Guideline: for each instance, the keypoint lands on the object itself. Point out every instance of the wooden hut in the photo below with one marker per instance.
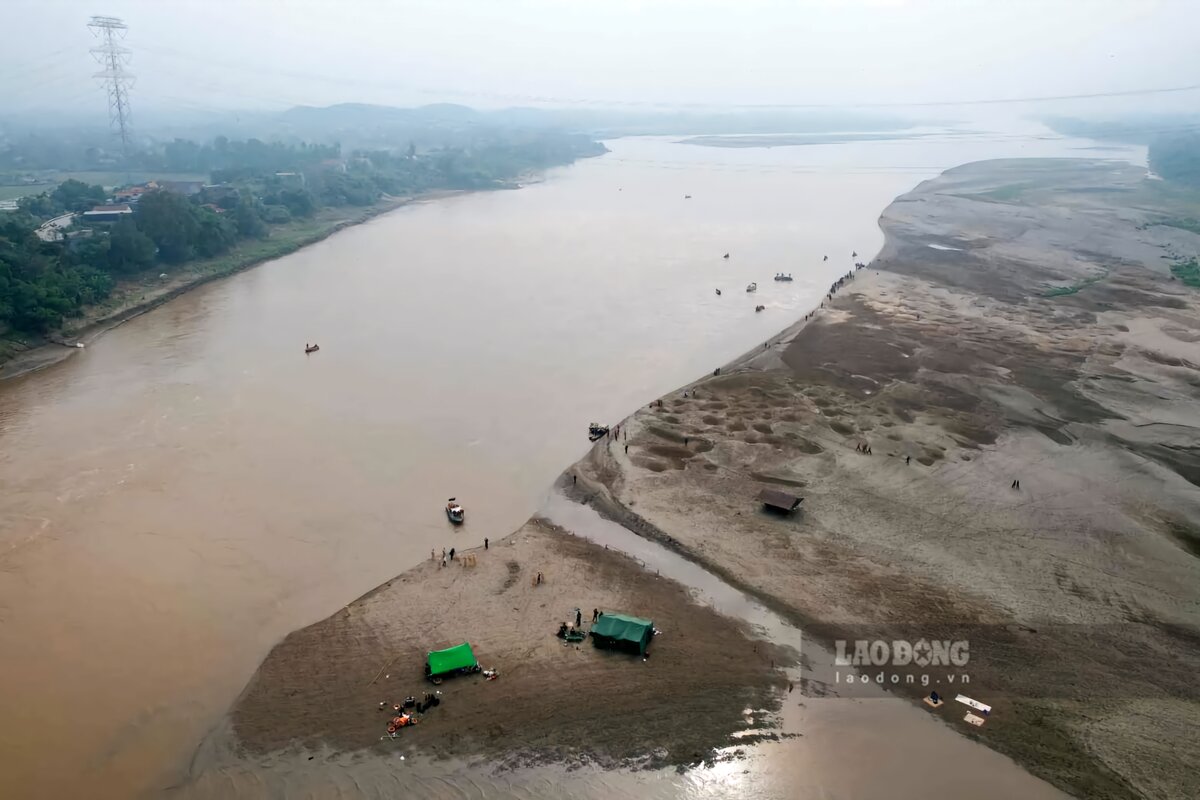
(779, 502)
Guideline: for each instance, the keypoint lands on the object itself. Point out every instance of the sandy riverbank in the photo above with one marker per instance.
(321, 686)
(1042, 339)
(23, 355)
(1021, 323)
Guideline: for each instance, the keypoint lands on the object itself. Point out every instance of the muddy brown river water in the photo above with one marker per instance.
(179, 496)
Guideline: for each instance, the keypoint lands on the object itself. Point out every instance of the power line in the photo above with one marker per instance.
(113, 57)
(390, 84)
(38, 64)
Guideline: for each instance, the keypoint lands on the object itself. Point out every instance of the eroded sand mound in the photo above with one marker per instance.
(1043, 340)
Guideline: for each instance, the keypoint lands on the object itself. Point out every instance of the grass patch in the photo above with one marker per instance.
(1060, 291)
(1006, 194)
(1188, 272)
(1184, 224)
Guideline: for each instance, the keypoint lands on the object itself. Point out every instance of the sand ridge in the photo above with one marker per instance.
(1050, 346)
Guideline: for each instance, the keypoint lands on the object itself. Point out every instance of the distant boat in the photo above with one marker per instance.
(854, 254)
(597, 431)
(455, 512)
(782, 277)
(718, 292)
(687, 197)
(311, 348)
(725, 256)
(826, 258)
(752, 287)
(758, 308)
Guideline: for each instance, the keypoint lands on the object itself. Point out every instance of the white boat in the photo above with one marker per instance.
(455, 512)
(752, 287)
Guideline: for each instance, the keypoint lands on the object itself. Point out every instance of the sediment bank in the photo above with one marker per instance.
(553, 701)
(995, 431)
(1020, 325)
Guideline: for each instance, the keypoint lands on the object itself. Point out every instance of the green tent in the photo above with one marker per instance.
(439, 662)
(618, 629)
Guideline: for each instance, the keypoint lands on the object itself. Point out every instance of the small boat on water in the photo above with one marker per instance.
(718, 292)
(725, 256)
(597, 431)
(687, 197)
(752, 287)
(758, 308)
(455, 512)
(826, 258)
(854, 254)
(311, 348)
(782, 277)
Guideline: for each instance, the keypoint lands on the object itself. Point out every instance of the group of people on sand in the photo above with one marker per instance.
(467, 560)
(573, 632)
(838, 284)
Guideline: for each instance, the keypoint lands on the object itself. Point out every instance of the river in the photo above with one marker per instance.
(179, 496)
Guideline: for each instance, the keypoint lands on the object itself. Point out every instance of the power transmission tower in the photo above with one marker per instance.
(113, 57)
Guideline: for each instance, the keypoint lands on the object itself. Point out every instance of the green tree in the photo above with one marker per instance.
(38, 286)
(299, 202)
(171, 222)
(248, 218)
(39, 205)
(215, 233)
(129, 250)
(276, 215)
(76, 196)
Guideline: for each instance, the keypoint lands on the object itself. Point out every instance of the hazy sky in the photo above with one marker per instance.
(270, 54)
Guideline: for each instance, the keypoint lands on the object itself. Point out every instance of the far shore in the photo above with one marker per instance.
(136, 297)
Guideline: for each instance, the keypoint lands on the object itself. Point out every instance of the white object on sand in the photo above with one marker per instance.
(975, 704)
(974, 719)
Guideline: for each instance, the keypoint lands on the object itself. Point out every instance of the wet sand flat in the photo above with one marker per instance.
(1042, 341)
(321, 686)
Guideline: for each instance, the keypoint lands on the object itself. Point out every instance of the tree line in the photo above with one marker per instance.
(256, 186)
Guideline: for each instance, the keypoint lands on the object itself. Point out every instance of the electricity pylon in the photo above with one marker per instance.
(113, 57)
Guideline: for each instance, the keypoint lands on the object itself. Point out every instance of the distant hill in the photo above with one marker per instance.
(358, 114)
(359, 119)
